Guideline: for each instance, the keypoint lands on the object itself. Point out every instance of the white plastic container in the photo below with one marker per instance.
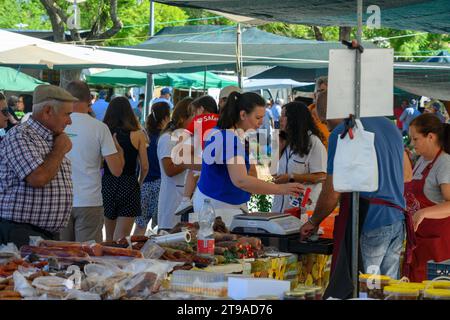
(248, 288)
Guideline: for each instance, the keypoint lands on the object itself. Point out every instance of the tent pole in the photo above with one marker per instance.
(355, 204)
(239, 70)
(151, 29)
(149, 83)
(148, 94)
(204, 80)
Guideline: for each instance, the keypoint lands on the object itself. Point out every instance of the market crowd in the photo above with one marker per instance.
(73, 163)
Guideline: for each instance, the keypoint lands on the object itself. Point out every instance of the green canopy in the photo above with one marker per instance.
(13, 80)
(129, 78)
(213, 47)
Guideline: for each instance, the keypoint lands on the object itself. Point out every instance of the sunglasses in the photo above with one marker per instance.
(4, 112)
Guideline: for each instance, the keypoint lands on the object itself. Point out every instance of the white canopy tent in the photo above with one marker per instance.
(255, 84)
(24, 51)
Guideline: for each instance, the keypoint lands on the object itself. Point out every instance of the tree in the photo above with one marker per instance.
(98, 31)
(103, 22)
(29, 13)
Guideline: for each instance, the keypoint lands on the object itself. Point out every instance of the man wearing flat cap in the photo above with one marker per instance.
(35, 176)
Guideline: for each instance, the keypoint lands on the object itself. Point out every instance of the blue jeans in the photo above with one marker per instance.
(381, 249)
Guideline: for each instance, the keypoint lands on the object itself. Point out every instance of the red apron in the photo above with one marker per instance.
(432, 236)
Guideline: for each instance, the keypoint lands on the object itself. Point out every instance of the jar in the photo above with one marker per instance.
(310, 294)
(319, 293)
(372, 285)
(268, 297)
(400, 293)
(442, 284)
(436, 294)
(412, 285)
(294, 295)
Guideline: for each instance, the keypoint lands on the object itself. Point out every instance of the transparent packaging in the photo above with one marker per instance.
(400, 293)
(199, 282)
(205, 236)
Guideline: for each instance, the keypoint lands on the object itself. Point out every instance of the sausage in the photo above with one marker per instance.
(139, 239)
(9, 294)
(219, 237)
(226, 244)
(53, 251)
(114, 244)
(138, 245)
(110, 251)
(94, 249)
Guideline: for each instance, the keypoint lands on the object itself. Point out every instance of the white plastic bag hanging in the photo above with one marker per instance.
(355, 162)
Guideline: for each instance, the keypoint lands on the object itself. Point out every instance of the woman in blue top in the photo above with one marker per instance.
(156, 121)
(225, 175)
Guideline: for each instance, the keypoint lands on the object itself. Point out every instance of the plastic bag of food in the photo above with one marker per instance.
(82, 295)
(35, 241)
(8, 252)
(52, 283)
(75, 276)
(26, 272)
(104, 270)
(160, 267)
(143, 278)
(22, 285)
(151, 250)
(140, 285)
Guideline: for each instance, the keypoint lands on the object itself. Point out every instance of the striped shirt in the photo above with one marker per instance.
(23, 150)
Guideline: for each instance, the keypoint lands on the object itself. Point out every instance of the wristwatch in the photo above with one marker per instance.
(311, 222)
(291, 177)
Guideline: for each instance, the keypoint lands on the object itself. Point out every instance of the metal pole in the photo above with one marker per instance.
(355, 205)
(204, 80)
(239, 69)
(149, 83)
(152, 19)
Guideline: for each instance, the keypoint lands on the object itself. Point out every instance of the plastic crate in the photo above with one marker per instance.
(438, 269)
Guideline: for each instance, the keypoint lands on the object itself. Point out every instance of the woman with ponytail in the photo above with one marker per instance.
(225, 175)
(156, 121)
(428, 194)
(172, 175)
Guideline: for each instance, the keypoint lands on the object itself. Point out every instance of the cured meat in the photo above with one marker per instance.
(110, 251)
(91, 249)
(219, 236)
(53, 252)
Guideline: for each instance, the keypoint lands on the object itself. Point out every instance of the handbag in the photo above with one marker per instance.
(355, 161)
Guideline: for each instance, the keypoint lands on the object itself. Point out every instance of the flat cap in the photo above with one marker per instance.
(226, 91)
(46, 92)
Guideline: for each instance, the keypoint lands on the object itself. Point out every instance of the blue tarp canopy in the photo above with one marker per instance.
(424, 15)
(441, 57)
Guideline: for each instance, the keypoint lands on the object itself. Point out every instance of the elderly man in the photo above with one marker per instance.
(92, 141)
(3, 113)
(35, 176)
(224, 93)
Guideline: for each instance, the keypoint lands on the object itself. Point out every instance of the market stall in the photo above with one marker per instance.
(156, 267)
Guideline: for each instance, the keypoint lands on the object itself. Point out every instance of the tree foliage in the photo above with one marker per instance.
(133, 16)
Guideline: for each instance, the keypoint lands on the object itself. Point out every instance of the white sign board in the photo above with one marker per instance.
(377, 83)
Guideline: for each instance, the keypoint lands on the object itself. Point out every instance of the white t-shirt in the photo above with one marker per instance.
(314, 162)
(171, 190)
(91, 140)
